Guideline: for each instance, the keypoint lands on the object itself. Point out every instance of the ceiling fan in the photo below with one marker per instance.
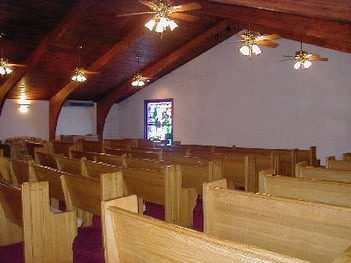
(5, 66)
(79, 73)
(303, 59)
(138, 80)
(252, 40)
(164, 12)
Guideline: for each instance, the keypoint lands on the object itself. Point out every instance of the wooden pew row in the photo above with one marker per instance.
(63, 148)
(25, 215)
(6, 171)
(120, 143)
(90, 146)
(332, 163)
(327, 192)
(306, 230)
(164, 242)
(69, 165)
(320, 173)
(46, 158)
(346, 156)
(160, 187)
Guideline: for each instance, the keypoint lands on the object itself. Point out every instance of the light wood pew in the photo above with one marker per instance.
(307, 230)
(120, 143)
(69, 165)
(25, 215)
(23, 171)
(131, 237)
(87, 193)
(327, 192)
(6, 171)
(320, 173)
(160, 187)
(77, 154)
(46, 159)
(196, 171)
(346, 156)
(60, 147)
(90, 146)
(146, 153)
(118, 160)
(117, 151)
(332, 163)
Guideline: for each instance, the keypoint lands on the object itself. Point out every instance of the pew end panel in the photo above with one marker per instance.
(47, 237)
(332, 163)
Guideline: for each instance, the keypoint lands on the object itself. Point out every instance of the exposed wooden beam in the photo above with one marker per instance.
(56, 102)
(325, 33)
(40, 51)
(211, 37)
(324, 9)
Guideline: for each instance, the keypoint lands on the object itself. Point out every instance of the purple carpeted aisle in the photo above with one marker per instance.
(87, 247)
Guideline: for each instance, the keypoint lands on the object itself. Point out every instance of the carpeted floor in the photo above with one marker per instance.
(87, 247)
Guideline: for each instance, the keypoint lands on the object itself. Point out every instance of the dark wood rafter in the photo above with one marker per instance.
(325, 33)
(323, 9)
(211, 37)
(40, 51)
(57, 101)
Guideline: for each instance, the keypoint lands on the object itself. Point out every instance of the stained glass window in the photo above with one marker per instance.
(159, 120)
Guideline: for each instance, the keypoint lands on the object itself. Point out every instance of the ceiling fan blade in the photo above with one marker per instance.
(270, 37)
(152, 5)
(16, 65)
(267, 43)
(286, 59)
(136, 14)
(318, 59)
(90, 72)
(186, 7)
(185, 17)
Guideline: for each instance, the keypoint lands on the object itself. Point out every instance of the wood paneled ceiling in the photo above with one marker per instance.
(44, 36)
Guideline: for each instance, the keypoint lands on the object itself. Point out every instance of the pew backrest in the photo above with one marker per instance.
(69, 165)
(327, 192)
(346, 156)
(319, 173)
(63, 148)
(46, 159)
(87, 193)
(23, 171)
(307, 230)
(332, 163)
(164, 242)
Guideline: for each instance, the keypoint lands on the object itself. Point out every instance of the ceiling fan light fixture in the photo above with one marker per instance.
(256, 50)
(4, 68)
(78, 75)
(138, 81)
(245, 50)
(150, 24)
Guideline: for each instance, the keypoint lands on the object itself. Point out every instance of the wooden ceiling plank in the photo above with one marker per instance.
(57, 101)
(325, 33)
(40, 51)
(323, 9)
(160, 68)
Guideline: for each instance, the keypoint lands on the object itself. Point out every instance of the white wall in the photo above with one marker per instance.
(76, 120)
(72, 120)
(223, 98)
(111, 123)
(33, 123)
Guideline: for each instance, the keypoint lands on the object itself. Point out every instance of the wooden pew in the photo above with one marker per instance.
(23, 171)
(70, 165)
(346, 156)
(118, 160)
(306, 230)
(131, 237)
(332, 163)
(120, 143)
(46, 159)
(6, 171)
(77, 154)
(196, 171)
(25, 215)
(319, 173)
(327, 192)
(160, 187)
(87, 193)
(90, 146)
(60, 147)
